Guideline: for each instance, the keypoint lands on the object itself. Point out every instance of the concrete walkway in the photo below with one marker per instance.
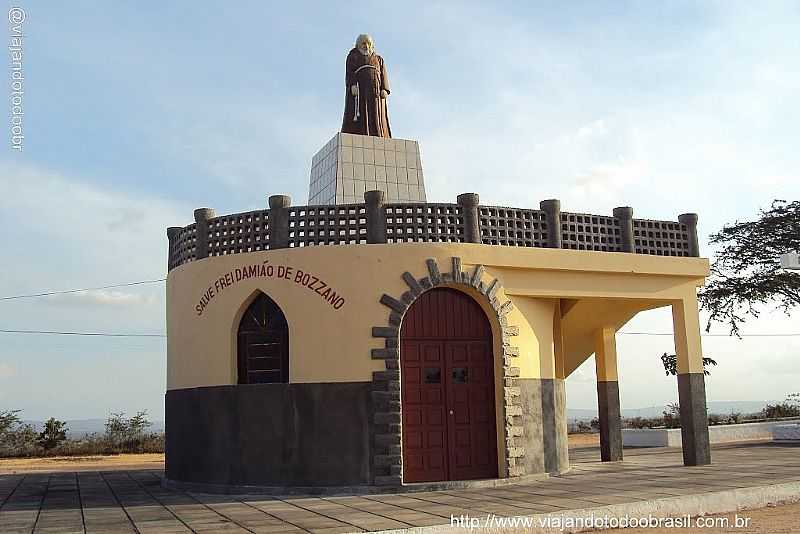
(134, 501)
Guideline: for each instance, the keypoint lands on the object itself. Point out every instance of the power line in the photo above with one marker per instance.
(117, 334)
(707, 335)
(48, 293)
(95, 334)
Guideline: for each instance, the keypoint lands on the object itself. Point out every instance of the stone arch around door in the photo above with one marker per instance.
(387, 454)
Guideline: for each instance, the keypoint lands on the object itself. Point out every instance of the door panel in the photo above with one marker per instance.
(471, 399)
(424, 422)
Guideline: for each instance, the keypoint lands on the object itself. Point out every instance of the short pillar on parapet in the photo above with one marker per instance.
(691, 382)
(605, 358)
(279, 221)
(552, 212)
(690, 220)
(376, 216)
(201, 218)
(624, 215)
(472, 222)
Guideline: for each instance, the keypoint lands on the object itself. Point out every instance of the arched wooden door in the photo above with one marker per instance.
(447, 382)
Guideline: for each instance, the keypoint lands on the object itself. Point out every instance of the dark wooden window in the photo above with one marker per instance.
(263, 343)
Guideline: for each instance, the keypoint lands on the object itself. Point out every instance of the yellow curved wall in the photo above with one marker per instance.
(333, 345)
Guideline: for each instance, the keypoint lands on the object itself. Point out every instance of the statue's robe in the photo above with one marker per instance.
(369, 73)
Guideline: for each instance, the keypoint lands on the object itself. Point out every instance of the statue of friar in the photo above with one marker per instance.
(366, 87)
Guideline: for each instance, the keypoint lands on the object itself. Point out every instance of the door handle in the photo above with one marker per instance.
(451, 412)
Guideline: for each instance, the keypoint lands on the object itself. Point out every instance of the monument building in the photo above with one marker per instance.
(373, 339)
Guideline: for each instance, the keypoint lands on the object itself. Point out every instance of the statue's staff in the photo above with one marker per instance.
(356, 96)
(358, 106)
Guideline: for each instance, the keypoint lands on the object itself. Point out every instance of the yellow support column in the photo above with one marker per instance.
(605, 358)
(691, 381)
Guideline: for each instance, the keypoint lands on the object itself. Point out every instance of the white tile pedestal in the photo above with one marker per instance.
(348, 165)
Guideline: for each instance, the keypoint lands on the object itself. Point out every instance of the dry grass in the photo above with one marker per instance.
(584, 440)
(62, 464)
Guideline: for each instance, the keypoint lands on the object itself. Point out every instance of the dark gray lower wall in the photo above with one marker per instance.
(270, 434)
(544, 422)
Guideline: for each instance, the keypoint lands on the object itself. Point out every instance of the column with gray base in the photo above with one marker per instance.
(552, 211)
(554, 425)
(279, 221)
(694, 419)
(201, 218)
(605, 358)
(472, 222)
(376, 216)
(691, 381)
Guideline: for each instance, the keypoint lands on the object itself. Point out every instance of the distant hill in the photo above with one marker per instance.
(78, 428)
(716, 407)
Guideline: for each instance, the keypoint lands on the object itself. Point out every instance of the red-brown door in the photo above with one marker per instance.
(447, 390)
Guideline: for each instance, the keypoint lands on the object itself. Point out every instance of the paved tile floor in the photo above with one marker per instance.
(134, 501)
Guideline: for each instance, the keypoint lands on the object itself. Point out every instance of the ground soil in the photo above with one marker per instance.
(584, 440)
(61, 464)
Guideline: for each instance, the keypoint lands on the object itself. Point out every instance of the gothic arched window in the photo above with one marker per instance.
(263, 343)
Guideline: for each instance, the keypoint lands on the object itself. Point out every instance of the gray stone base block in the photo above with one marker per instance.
(280, 435)
(544, 426)
(610, 421)
(694, 419)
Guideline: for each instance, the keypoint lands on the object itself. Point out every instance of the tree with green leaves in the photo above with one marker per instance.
(54, 432)
(16, 438)
(8, 420)
(746, 272)
(670, 362)
(126, 433)
(116, 428)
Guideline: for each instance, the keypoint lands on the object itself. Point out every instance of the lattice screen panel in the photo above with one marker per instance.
(423, 223)
(183, 250)
(513, 227)
(581, 231)
(660, 238)
(239, 232)
(327, 225)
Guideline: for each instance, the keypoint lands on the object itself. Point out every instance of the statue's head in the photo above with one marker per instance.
(365, 45)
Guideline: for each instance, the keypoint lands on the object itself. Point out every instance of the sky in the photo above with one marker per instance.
(135, 113)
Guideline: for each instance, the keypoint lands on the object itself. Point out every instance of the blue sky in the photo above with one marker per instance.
(137, 113)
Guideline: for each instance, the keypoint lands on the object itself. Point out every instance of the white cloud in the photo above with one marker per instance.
(613, 175)
(7, 370)
(597, 127)
(77, 234)
(104, 298)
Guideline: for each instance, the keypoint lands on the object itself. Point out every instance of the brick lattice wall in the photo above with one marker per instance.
(429, 222)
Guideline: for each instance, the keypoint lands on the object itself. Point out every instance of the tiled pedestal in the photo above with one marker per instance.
(348, 165)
